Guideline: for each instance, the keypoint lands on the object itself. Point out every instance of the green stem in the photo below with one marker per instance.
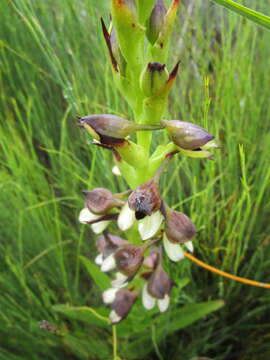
(114, 334)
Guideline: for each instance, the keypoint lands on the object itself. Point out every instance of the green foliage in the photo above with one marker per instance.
(54, 66)
(250, 14)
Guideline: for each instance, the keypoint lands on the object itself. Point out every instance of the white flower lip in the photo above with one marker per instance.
(116, 171)
(147, 300)
(149, 225)
(163, 304)
(109, 295)
(108, 264)
(100, 226)
(114, 317)
(120, 281)
(99, 259)
(174, 251)
(210, 144)
(126, 218)
(86, 216)
(189, 246)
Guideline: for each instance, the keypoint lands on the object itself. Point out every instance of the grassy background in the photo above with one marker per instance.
(54, 65)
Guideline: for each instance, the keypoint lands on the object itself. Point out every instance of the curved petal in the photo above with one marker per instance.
(149, 225)
(174, 251)
(86, 215)
(99, 226)
(114, 317)
(126, 218)
(120, 281)
(109, 295)
(147, 300)
(108, 264)
(163, 304)
(189, 246)
(99, 259)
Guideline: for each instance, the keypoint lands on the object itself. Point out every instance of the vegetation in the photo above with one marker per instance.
(53, 66)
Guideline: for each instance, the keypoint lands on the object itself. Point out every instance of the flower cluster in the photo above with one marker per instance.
(138, 43)
(157, 224)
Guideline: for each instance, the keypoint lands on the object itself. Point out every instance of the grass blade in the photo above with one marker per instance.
(248, 13)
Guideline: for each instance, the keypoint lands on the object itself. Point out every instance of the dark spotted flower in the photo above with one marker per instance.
(157, 289)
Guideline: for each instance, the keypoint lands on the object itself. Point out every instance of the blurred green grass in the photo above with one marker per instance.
(53, 66)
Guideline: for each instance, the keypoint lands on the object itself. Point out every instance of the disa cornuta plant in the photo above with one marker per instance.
(138, 39)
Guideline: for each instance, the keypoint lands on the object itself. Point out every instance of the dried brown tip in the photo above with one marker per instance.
(109, 46)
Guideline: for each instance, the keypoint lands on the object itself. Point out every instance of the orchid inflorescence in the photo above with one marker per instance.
(138, 42)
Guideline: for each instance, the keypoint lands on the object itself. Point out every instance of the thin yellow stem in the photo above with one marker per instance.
(88, 309)
(225, 274)
(115, 357)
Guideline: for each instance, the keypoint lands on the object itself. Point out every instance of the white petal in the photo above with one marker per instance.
(85, 216)
(119, 281)
(189, 246)
(210, 144)
(163, 304)
(147, 300)
(149, 225)
(116, 171)
(99, 259)
(108, 264)
(115, 318)
(108, 296)
(126, 218)
(174, 251)
(99, 226)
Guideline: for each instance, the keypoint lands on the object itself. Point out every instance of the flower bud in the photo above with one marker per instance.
(111, 129)
(99, 201)
(153, 78)
(159, 283)
(156, 21)
(190, 138)
(178, 227)
(187, 135)
(129, 259)
(160, 48)
(122, 304)
(145, 199)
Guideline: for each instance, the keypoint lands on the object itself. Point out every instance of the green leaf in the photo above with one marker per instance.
(248, 13)
(168, 323)
(88, 348)
(186, 315)
(101, 279)
(82, 313)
